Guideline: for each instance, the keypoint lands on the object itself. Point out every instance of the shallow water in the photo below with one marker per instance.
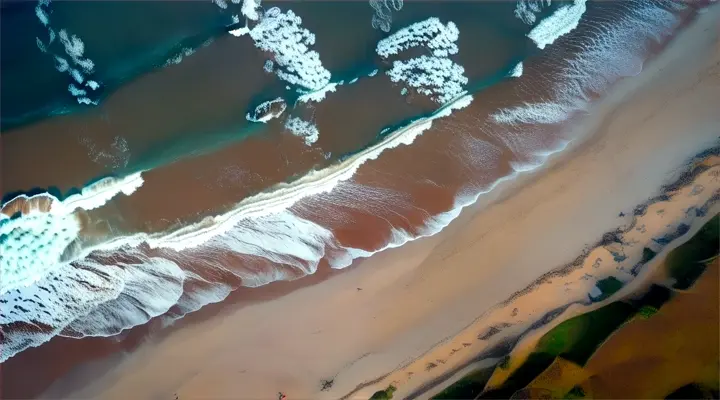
(212, 201)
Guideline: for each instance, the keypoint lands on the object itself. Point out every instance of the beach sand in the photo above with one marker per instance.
(414, 301)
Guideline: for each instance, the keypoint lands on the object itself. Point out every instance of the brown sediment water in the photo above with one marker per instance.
(427, 175)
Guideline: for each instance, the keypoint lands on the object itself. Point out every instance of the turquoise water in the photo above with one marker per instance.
(183, 193)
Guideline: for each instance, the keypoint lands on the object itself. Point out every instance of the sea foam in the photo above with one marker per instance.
(304, 129)
(267, 110)
(614, 48)
(74, 49)
(561, 22)
(282, 34)
(36, 241)
(262, 230)
(434, 75)
(382, 19)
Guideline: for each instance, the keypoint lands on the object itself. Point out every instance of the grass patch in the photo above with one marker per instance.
(468, 387)
(646, 312)
(687, 262)
(575, 340)
(386, 394)
(575, 393)
(608, 287)
(648, 255)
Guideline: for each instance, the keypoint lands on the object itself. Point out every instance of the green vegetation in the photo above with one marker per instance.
(687, 262)
(648, 255)
(575, 340)
(386, 394)
(655, 297)
(505, 363)
(608, 287)
(468, 387)
(578, 338)
(646, 312)
(575, 393)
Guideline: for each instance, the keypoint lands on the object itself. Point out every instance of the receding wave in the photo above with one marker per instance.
(98, 284)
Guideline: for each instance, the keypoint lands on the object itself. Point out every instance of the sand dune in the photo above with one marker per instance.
(419, 300)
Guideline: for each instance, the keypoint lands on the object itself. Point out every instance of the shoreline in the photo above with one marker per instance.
(659, 63)
(396, 275)
(525, 341)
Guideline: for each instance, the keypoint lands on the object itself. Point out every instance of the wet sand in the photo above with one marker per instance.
(413, 297)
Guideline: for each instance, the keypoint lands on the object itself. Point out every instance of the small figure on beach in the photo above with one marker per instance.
(281, 396)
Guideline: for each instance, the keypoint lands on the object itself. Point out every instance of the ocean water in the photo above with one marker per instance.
(145, 176)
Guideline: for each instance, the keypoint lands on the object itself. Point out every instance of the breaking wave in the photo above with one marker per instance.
(69, 280)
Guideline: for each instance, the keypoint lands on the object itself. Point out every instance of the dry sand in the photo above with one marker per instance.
(427, 294)
(660, 219)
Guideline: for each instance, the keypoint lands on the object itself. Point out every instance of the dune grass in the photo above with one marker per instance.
(386, 394)
(687, 262)
(468, 387)
(578, 338)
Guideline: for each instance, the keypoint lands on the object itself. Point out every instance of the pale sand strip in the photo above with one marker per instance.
(433, 288)
(660, 219)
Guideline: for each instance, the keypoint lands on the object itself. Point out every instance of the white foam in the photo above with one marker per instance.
(304, 129)
(75, 91)
(269, 66)
(77, 75)
(517, 71)
(561, 22)
(262, 225)
(264, 112)
(319, 95)
(42, 15)
(32, 245)
(282, 196)
(97, 194)
(434, 75)
(147, 288)
(250, 9)
(526, 10)
(240, 31)
(382, 18)
(439, 78)
(86, 100)
(281, 237)
(92, 84)
(40, 45)
(62, 64)
(65, 293)
(193, 300)
(529, 113)
(612, 49)
(74, 49)
(115, 157)
(439, 38)
(282, 35)
(177, 59)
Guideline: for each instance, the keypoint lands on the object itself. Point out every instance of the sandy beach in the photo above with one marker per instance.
(385, 319)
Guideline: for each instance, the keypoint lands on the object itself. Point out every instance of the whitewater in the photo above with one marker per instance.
(58, 280)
